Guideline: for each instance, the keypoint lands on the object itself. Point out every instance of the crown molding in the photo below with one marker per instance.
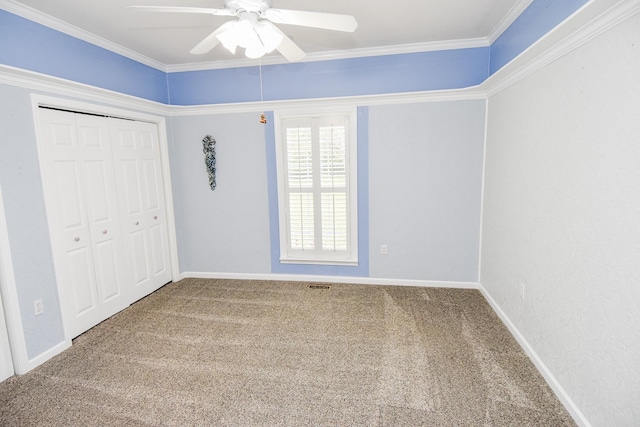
(594, 18)
(508, 19)
(73, 31)
(588, 22)
(464, 94)
(400, 49)
(83, 92)
(67, 88)
(335, 54)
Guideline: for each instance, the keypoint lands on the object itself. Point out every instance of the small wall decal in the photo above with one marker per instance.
(209, 150)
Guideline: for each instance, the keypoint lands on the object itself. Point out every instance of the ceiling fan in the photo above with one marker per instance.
(254, 30)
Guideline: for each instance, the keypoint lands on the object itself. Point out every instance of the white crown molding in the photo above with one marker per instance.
(64, 27)
(508, 19)
(74, 90)
(73, 31)
(336, 54)
(591, 20)
(83, 92)
(331, 279)
(70, 89)
(470, 93)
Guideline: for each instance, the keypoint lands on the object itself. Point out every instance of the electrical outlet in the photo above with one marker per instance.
(521, 290)
(383, 249)
(38, 307)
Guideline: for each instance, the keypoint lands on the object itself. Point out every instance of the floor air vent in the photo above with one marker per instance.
(319, 286)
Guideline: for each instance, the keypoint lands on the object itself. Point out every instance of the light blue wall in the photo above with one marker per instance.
(362, 269)
(425, 179)
(30, 46)
(230, 230)
(27, 222)
(537, 20)
(234, 229)
(226, 230)
(419, 191)
(446, 69)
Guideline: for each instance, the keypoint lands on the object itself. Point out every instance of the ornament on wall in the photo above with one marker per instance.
(209, 150)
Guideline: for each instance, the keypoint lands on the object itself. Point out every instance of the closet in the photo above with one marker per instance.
(105, 198)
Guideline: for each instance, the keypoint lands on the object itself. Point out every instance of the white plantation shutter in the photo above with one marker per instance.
(333, 183)
(317, 198)
(300, 183)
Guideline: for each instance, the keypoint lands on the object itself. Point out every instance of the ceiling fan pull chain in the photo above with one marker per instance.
(263, 118)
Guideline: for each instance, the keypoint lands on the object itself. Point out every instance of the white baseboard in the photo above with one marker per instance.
(43, 357)
(331, 279)
(560, 392)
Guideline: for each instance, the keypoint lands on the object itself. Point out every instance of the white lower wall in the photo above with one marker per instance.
(561, 215)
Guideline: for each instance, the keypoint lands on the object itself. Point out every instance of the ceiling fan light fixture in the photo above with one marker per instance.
(231, 36)
(255, 30)
(256, 37)
(255, 52)
(269, 36)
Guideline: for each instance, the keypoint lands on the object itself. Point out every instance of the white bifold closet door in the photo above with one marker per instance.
(96, 261)
(141, 197)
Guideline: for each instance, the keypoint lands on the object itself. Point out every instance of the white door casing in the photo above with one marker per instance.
(6, 363)
(16, 344)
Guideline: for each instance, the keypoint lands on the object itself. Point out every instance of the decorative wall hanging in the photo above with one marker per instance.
(209, 150)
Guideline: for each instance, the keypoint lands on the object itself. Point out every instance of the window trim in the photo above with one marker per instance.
(285, 256)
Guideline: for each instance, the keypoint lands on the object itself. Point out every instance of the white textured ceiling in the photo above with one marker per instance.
(383, 27)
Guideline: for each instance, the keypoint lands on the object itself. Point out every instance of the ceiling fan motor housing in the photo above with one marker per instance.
(256, 6)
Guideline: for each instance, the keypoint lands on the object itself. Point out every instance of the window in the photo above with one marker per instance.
(317, 194)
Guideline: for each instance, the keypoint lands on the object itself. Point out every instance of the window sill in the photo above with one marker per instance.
(353, 263)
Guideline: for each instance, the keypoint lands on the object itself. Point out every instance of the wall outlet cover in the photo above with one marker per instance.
(38, 307)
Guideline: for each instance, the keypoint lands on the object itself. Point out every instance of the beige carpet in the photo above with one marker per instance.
(235, 353)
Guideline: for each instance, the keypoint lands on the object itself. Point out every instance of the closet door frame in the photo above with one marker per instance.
(39, 101)
(17, 345)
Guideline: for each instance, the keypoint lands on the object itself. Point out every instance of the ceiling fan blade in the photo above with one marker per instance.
(327, 21)
(211, 40)
(288, 48)
(179, 9)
